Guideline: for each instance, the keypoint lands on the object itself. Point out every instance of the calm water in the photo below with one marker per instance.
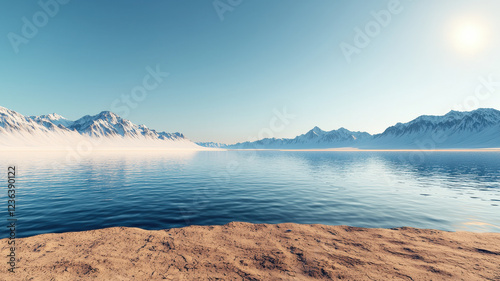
(58, 192)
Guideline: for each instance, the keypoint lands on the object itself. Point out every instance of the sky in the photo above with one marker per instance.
(227, 70)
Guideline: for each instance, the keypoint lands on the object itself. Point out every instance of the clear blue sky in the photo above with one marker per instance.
(226, 76)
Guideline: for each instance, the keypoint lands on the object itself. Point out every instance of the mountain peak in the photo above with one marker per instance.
(487, 110)
(51, 119)
(55, 116)
(107, 114)
(52, 116)
(477, 110)
(453, 112)
(6, 110)
(316, 129)
(53, 130)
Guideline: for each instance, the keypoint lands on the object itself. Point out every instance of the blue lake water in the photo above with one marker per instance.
(58, 192)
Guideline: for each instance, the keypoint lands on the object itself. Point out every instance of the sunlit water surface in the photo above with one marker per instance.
(60, 192)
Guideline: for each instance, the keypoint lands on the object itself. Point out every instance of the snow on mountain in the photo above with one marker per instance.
(212, 144)
(11, 121)
(315, 138)
(53, 118)
(107, 124)
(105, 130)
(474, 129)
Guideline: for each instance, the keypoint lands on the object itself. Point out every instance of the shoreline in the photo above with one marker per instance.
(245, 251)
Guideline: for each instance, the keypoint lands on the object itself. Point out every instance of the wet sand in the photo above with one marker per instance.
(244, 251)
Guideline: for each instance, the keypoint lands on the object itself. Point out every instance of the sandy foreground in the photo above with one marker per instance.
(244, 251)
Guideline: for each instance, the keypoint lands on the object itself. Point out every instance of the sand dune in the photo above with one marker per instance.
(244, 251)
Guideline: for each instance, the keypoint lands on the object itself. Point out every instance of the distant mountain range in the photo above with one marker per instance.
(104, 130)
(212, 144)
(474, 129)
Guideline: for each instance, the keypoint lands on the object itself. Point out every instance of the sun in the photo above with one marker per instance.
(469, 36)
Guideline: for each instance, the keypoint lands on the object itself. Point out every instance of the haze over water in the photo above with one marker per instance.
(157, 190)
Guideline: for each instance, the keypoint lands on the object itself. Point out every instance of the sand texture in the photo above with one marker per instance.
(244, 251)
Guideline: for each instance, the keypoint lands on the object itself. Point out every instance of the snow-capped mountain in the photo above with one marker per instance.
(53, 118)
(105, 130)
(212, 144)
(474, 129)
(315, 138)
(107, 124)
